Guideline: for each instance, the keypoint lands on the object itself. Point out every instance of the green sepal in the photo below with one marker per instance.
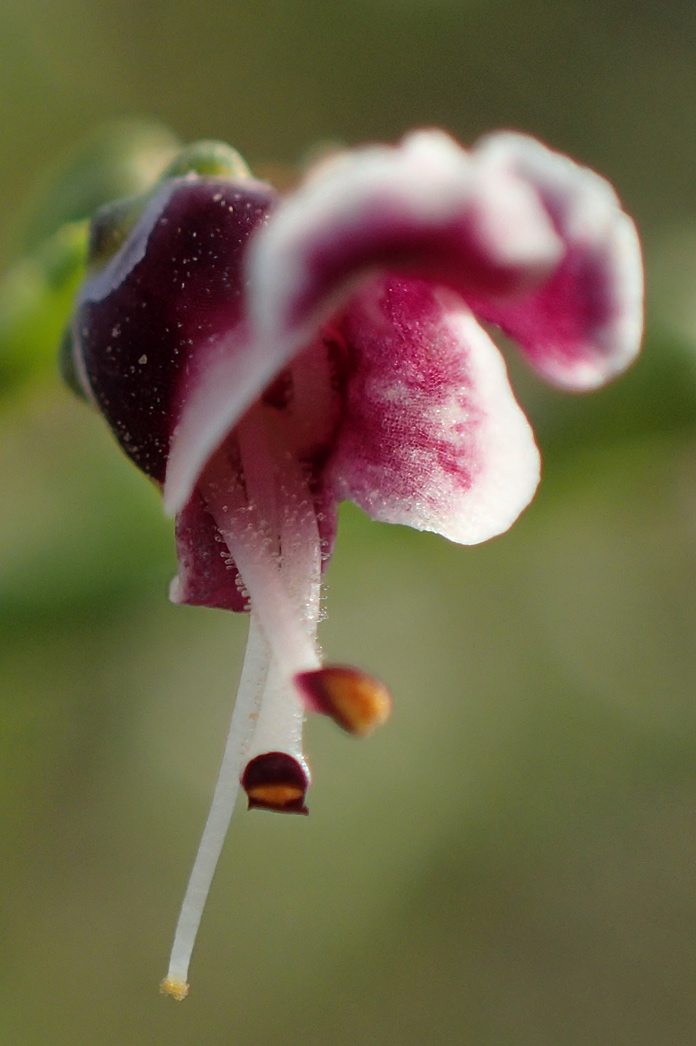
(110, 226)
(66, 364)
(110, 179)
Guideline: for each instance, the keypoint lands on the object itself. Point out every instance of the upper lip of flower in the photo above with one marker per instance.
(532, 241)
(357, 296)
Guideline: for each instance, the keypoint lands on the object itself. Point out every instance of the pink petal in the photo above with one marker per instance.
(585, 325)
(431, 436)
(424, 208)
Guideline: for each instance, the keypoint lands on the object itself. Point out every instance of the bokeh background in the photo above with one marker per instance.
(512, 862)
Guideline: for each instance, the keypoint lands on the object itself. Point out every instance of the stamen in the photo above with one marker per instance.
(280, 721)
(276, 781)
(356, 701)
(252, 682)
(270, 528)
(253, 545)
(281, 717)
(299, 541)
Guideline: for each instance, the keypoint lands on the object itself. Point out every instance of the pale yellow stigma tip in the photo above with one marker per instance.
(174, 987)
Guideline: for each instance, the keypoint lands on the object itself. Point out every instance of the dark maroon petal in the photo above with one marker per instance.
(207, 574)
(147, 320)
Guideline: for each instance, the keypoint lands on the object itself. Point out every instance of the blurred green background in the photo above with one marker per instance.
(512, 861)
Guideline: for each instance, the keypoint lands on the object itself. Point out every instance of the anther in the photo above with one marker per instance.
(276, 781)
(355, 700)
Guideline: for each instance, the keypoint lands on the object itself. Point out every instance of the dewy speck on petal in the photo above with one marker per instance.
(263, 359)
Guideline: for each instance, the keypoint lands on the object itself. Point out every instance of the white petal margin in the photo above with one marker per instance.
(423, 207)
(590, 344)
(432, 436)
(233, 374)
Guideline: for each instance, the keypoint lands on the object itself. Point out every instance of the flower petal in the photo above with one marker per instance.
(584, 326)
(424, 209)
(431, 436)
(421, 209)
(148, 321)
(207, 576)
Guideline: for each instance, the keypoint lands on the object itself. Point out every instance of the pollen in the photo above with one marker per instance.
(275, 796)
(355, 700)
(175, 987)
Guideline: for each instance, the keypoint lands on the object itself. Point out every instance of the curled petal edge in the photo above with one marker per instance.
(422, 209)
(585, 326)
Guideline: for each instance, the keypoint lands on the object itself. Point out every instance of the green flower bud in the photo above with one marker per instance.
(209, 159)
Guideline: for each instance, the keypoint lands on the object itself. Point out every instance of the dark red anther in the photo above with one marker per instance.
(276, 781)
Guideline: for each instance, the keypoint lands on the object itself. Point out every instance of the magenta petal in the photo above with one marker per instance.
(431, 435)
(585, 325)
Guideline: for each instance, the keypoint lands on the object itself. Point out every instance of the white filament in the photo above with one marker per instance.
(282, 712)
(251, 535)
(258, 566)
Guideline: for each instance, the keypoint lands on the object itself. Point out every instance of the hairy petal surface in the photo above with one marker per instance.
(431, 435)
(584, 325)
(424, 209)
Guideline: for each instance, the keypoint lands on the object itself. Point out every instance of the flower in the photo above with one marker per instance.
(263, 359)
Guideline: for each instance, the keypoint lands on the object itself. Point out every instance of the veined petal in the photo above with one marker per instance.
(585, 325)
(431, 435)
(424, 209)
